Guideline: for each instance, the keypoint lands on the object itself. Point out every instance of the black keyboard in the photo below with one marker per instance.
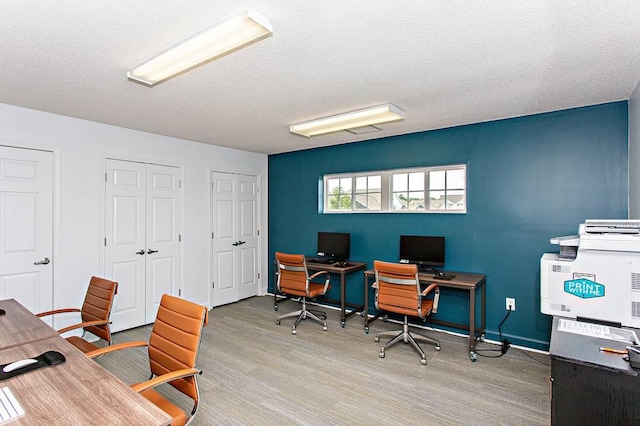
(321, 261)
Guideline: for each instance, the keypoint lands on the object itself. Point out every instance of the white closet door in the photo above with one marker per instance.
(234, 260)
(26, 227)
(125, 250)
(142, 248)
(162, 235)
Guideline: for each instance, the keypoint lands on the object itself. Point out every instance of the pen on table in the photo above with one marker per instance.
(615, 351)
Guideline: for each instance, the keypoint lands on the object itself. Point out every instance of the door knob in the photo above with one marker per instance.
(151, 251)
(44, 261)
(241, 242)
(237, 243)
(141, 252)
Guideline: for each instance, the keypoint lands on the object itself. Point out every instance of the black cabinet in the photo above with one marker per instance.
(589, 386)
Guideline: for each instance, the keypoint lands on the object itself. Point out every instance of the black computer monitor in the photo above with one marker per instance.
(335, 245)
(425, 251)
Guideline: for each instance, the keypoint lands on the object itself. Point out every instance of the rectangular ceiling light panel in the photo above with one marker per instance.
(350, 120)
(210, 44)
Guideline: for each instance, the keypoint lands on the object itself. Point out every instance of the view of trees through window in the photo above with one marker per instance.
(428, 189)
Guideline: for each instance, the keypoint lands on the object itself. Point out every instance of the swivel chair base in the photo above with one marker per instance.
(302, 314)
(407, 337)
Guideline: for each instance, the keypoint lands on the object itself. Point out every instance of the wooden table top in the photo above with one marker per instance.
(77, 392)
(19, 326)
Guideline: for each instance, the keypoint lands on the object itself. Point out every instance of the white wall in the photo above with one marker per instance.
(80, 148)
(634, 154)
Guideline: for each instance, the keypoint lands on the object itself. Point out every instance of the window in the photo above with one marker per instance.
(368, 193)
(417, 190)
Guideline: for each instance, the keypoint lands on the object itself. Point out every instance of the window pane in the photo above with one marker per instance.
(436, 200)
(456, 200)
(399, 182)
(416, 181)
(375, 183)
(399, 201)
(345, 186)
(333, 202)
(416, 201)
(361, 184)
(332, 186)
(368, 201)
(436, 179)
(456, 179)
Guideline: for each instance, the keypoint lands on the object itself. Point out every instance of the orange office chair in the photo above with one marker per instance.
(173, 351)
(294, 280)
(94, 314)
(398, 291)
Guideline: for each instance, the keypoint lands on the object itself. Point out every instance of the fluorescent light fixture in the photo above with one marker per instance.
(350, 120)
(206, 46)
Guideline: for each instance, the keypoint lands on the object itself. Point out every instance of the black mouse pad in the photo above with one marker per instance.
(46, 359)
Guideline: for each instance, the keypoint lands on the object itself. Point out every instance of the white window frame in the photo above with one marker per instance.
(387, 190)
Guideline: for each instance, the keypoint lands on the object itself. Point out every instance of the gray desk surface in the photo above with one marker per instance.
(585, 349)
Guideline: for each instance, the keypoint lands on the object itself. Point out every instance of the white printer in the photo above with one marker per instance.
(596, 275)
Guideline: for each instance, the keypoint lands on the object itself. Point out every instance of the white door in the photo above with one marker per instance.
(26, 227)
(142, 238)
(235, 238)
(162, 236)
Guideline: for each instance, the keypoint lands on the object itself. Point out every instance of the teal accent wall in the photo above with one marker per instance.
(529, 179)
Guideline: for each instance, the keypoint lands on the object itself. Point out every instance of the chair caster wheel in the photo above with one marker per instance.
(324, 328)
(366, 330)
(293, 331)
(381, 354)
(376, 339)
(342, 323)
(385, 318)
(423, 361)
(472, 356)
(275, 308)
(437, 348)
(277, 322)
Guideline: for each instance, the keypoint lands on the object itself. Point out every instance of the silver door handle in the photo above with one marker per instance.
(44, 261)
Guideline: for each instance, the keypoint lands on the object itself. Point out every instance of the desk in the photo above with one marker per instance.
(79, 391)
(590, 387)
(19, 326)
(462, 281)
(342, 272)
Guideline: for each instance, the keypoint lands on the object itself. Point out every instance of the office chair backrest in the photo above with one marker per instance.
(398, 288)
(292, 274)
(97, 306)
(175, 340)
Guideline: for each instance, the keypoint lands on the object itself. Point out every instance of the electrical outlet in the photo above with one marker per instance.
(510, 301)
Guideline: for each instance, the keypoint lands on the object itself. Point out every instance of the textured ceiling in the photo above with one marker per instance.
(445, 63)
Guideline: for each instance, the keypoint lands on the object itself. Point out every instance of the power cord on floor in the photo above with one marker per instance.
(504, 343)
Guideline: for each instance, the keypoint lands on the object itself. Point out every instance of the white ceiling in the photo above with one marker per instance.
(445, 63)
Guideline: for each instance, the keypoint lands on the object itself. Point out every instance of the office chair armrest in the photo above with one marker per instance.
(165, 378)
(116, 347)
(57, 311)
(327, 280)
(82, 325)
(317, 274)
(433, 287)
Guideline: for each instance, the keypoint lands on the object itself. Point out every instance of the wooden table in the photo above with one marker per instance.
(462, 281)
(77, 392)
(19, 326)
